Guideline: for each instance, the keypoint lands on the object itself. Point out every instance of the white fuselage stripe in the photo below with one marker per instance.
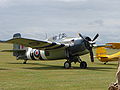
(42, 52)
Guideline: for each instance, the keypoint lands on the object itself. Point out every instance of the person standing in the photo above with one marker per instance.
(116, 85)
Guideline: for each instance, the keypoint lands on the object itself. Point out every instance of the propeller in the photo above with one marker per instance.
(90, 43)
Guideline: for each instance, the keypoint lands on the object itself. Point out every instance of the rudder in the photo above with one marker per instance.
(100, 51)
(17, 46)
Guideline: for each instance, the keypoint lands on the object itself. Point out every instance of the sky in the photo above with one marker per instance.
(36, 18)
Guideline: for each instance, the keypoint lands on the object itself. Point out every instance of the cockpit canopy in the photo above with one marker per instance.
(58, 37)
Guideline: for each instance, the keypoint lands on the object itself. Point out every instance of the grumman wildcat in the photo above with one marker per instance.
(55, 48)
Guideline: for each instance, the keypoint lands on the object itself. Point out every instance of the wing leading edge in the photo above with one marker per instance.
(36, 44)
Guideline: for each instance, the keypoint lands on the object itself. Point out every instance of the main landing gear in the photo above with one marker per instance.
(67, 64)
(83, 65)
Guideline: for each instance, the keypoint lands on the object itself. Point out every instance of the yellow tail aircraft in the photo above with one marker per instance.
(101, 53)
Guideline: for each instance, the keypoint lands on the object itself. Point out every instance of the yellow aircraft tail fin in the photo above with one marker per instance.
(101, 52)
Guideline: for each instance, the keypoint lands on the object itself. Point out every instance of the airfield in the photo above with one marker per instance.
(50, 75)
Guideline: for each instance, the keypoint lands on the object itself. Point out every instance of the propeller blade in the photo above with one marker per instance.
(91, 55)
(90, 45)
(82, 37)
(95, 37)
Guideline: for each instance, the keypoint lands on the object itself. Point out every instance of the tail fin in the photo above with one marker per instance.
(17, 46)
(101, 51)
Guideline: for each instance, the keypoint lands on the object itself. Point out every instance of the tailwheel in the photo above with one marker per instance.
(67, 65)
(83, 65)
(24, 61)
(106, 62)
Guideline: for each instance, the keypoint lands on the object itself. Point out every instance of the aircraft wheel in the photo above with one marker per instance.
(67, 65)
(83, 65)
(25, 62)
(105, 63)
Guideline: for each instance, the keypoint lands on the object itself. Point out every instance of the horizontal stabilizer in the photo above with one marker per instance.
(13, 50)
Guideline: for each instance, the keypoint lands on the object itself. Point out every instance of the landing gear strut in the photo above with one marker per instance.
(83, 64)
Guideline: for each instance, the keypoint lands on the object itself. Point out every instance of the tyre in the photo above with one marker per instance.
(67, 65)
(83, 65)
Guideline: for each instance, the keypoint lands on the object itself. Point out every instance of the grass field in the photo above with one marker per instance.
(50, 75)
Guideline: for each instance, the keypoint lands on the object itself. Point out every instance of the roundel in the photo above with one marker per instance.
(37, 53)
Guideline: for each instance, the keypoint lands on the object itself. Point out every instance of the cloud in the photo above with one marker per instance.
(8, 3)
(72, 0)
(97, 22)
(3, 3)
(54, 16)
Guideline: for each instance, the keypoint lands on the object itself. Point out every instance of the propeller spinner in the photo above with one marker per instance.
(90, 42)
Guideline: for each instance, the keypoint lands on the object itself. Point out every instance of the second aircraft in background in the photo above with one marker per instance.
(101, 53)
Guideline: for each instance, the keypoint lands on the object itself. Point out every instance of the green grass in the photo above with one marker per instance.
(50, 75)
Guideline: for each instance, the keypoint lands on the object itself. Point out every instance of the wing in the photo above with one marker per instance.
(113, 45)
(36, 44)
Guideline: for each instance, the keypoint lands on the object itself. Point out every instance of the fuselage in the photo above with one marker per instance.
(77, 47)
(108, 58)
